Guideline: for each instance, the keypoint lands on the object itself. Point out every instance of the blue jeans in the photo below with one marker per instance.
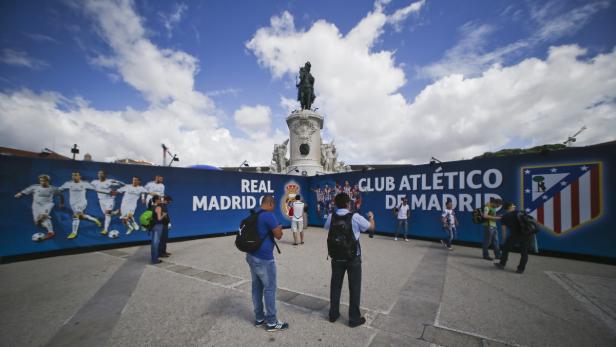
(451, 232)
(263, 273)
(490, 237)
(402, 223)
(155, 234)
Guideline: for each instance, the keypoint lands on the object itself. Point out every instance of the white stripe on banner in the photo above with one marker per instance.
(534, 214)
(548, 213)
(585, 198)
(565, 209)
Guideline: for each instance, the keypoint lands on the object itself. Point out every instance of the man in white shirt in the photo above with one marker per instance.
(403, 214)
(297, 220)
(129, 203)
(42, 203)
(155, 187)
(351, 266)
(450, 224)
(105, 199)
(77, 198)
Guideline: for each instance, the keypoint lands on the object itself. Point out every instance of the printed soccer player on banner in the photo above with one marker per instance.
(106, 201)
(562, 197)
(78, 201)
(42, 204)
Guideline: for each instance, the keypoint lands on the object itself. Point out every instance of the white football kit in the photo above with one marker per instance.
(42, 199)
(130, 198)
(106, 201)
(153, 187)
(77, 194)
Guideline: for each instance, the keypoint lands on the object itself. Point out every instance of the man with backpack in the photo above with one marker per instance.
(517, 235)
(343, 247)
(263, 266)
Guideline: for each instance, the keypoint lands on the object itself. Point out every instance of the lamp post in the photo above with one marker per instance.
(75, 151)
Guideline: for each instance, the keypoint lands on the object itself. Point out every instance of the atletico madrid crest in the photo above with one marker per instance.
(562, 197)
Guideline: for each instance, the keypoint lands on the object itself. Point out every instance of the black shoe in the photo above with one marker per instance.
(165, 255)
(259, 323)
(518, 271)
(280, 326)
(371, 236)
(157, 262)
(361, 321)
(488, 258)
(499, 265)
(333, 319)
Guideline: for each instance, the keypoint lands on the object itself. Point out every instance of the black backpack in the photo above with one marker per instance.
(528, 224)
(341, 242)
(478, 216)
(247, 239)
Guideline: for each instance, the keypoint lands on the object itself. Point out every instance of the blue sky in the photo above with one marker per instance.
(398, 81)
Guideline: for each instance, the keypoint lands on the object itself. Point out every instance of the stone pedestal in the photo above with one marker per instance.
(305, 143)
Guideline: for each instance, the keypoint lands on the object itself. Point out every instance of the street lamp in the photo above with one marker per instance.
(75, 151)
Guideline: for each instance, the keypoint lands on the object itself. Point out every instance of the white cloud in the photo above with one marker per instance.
(536, 101)
(470, 58)
(288, 104)
(183, 118)
(400, 15)
(21, 58)
(170, 20)
(255, 121)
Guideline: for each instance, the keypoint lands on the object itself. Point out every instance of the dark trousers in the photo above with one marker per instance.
(524, 242)
(162, 247)
(353, 269)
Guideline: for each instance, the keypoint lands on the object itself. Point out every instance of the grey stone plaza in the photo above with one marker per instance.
(413, 294)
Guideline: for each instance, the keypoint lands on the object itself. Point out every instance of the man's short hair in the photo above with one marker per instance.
(268, 198)
(508, 205)
(496, 201)
(342, 200)
(298, 197)
(156, 198)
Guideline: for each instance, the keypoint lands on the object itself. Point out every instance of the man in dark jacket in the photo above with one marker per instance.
(162, 247)
(510, 220)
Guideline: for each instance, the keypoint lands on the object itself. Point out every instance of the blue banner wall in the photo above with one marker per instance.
(570, 192)
(204, 202)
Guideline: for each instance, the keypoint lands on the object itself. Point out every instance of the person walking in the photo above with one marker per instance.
(450, 224)
(516, 236)
(343, 221)
(490, 236)
(164, 237)
(158, 217)
(297, 220)
(263, 268)
(403, 214)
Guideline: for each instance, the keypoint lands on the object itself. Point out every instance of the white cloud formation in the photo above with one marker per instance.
(536, 101)
(255, 121)
(183, 118)
(20, 58)
(170, 20)
(470, 57)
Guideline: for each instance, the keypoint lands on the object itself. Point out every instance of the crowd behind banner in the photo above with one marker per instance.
(569, 193)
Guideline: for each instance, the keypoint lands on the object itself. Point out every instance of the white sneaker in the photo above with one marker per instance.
(407, 240)
(395, 239)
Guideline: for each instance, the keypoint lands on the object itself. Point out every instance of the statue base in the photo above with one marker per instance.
(305, 143)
